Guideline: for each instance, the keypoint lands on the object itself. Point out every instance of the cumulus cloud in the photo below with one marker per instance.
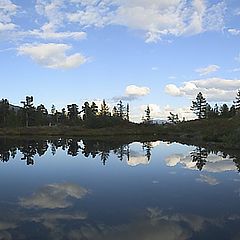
(136, 91)
(54, 196)
(52, 55)
(158, 112)
(214, 89)
(133, 92)
(207, 70)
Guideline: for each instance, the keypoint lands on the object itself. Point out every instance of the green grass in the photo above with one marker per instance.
(221, 132)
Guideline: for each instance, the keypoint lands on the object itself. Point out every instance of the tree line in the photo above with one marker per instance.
(204, 110)
(88, 115)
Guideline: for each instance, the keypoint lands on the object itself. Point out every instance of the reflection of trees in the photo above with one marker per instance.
(73, 147)
(147, 146)
(199, 155)
(87, 147)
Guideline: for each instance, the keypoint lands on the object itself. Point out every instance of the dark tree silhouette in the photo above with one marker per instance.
(104, 110)
(237, 102)
(199, 106)
(73, 112)
(173, 118)
(147, 118)
(199, 155)
(224, 111)
(4, 111)
(28, 110)
(121, 110)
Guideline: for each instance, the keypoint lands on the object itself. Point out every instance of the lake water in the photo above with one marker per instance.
(94, 190)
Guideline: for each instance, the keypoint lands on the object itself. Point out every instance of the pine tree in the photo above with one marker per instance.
(4, 111)
(94, 109)
(224, 111)
(104, 110)
(127, 112)
(120, 109)
(199, 106)
(237, 102)
(147, 115)
(28, 110)
(173, 118)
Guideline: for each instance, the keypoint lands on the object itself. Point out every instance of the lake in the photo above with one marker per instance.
(114, 189)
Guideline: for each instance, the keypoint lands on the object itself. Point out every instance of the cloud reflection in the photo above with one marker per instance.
(214, 163)
(54, 196)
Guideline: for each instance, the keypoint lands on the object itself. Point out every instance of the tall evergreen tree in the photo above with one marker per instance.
(72, 112)
(173, 118)
(94, 109)
(199, 106)
(41, 115)
(28, 110)
(120, 109)
(224, 111)
(127, 112)
(115, 112)
(4, 111)
(104, 110)
(147, 117)
(237, 102)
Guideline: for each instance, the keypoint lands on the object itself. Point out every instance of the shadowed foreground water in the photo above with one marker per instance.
(95, 190)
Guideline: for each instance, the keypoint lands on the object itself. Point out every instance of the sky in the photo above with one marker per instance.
(159, 53)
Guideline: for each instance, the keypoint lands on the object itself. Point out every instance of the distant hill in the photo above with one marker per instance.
(14, 108)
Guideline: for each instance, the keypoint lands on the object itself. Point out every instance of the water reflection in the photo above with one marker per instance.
(134, 196)
(207, 160)
(199, 158)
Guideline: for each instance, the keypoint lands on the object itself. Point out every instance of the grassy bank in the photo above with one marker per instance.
(217, 133)
(121, 130)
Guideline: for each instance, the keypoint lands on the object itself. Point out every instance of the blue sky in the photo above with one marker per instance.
(156, 52)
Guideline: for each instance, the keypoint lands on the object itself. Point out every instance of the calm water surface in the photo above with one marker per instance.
(95, 190)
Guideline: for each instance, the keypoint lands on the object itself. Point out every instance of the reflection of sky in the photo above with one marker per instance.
(215, 163)
(79, 198)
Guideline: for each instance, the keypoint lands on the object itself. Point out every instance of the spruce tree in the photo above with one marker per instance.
(199, 106)
(237, 102)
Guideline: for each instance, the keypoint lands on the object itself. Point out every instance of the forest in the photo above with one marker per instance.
(91, 116)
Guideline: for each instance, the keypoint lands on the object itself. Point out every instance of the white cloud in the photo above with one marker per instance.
(133, 90)
(214, 89)
(154, 18)
(52, 55)
(7, 11)
(54, 196)
(173, 90)
(207, 70)
(158, 112)
(56, 35)
(234, 31)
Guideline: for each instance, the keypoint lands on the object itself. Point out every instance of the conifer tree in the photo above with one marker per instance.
(237, 102)
(199, 106)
